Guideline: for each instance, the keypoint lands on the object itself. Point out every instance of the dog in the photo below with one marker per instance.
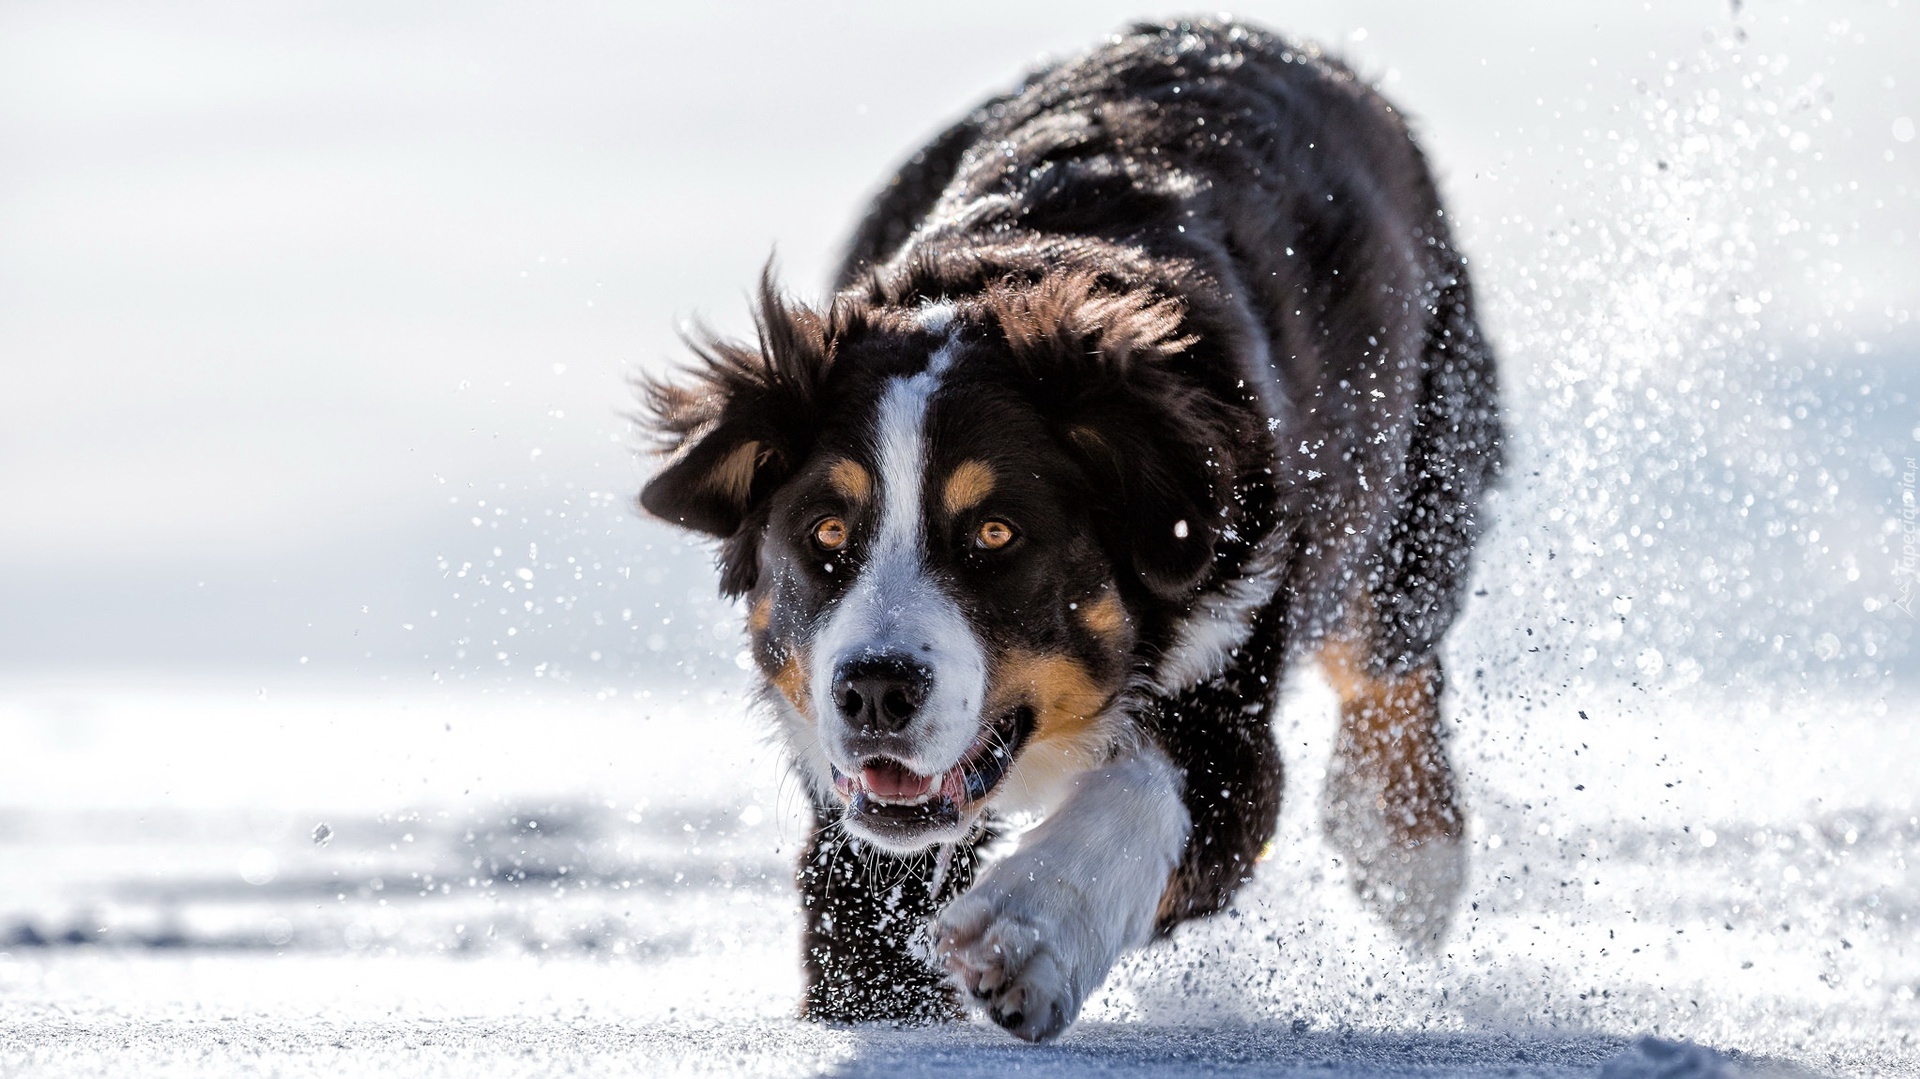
(1149, 376)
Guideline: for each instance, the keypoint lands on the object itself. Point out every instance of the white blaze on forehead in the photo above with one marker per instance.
(901, 441)
(894, 607)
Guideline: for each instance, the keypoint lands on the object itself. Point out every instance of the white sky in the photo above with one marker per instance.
(269, 276)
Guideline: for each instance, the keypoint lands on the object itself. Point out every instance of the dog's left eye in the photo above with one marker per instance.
(993, 535)
(830, 534)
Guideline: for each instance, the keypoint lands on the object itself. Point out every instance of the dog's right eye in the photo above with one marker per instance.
(993, 534)
(830, 534)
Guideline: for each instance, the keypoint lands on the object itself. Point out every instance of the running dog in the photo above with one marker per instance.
(1140, 381)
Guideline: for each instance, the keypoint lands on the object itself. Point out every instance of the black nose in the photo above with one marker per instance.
(880, 692)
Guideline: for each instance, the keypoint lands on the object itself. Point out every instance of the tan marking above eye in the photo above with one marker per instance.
(830, 534)
(993, 535)
(967, 487)
(850, 481)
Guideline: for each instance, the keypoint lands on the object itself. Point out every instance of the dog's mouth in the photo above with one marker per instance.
(890, 800)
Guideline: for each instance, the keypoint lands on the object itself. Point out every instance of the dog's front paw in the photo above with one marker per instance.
(1023, 954)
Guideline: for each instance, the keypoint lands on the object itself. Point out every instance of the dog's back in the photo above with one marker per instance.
(1299, 218)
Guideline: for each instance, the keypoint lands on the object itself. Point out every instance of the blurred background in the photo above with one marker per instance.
(291, 297)
(317, 323)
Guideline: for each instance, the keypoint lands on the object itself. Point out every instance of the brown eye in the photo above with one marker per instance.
(993, 535)
(830, 534)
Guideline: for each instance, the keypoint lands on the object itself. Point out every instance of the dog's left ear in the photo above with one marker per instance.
(735, 427)
(1099, 365)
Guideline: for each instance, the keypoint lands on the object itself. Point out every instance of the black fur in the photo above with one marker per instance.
(1211, 304)
(865, 918)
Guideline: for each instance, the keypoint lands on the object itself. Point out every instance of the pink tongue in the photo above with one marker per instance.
(892, 781)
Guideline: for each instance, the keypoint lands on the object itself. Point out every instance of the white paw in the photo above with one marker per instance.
(1022, 952)
(1415, 889)
(1409, 867)
(1040, 931)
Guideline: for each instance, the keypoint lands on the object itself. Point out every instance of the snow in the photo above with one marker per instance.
(390, 742)
(539, 884)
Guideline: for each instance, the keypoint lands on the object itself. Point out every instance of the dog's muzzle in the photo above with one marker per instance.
(904, 809)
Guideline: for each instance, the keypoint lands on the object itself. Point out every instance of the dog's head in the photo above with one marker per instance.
(949, 521)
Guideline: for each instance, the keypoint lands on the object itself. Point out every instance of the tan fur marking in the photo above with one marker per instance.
(1067, 703)
(853, 483)
(1379, 702)
(1105, 616)
(1070, 312)
(791, 681)
(1390, 729)
(967, 487)
(733, 476)
(761, 615)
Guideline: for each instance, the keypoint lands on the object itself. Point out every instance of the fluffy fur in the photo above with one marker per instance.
(1145, 378)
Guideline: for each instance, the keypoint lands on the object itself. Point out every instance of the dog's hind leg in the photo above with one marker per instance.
(1392, 807)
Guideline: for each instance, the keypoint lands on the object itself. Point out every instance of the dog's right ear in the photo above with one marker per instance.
(735, 427)
(1099, 363)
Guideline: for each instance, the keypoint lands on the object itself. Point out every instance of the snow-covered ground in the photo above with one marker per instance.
(316, 323)
(328, 882)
